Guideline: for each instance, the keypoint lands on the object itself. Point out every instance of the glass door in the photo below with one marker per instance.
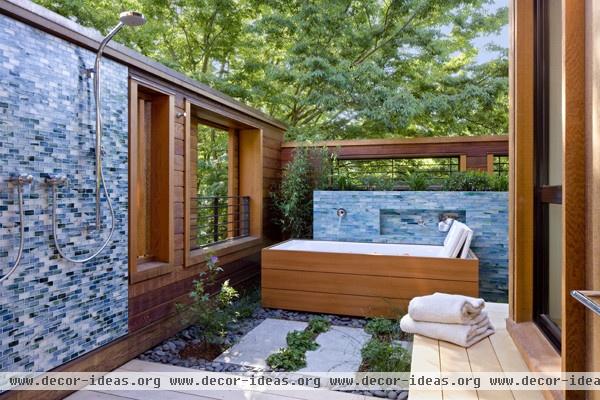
(548, 230)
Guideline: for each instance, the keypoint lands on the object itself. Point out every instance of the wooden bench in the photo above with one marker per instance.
(497, 353)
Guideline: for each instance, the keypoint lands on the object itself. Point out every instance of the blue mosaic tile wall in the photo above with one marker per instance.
(412, 217)
(51, 310)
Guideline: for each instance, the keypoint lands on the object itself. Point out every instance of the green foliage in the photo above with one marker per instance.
(293, 357)
(476, 181)
(212, 313)
(380, 327)
(288, 359)
(309, 170)
(301, 340)
(318, 325)
(417, 181)
(330, 69)
(370, 182)
(247, 303)
(382, 356)
(212, 163)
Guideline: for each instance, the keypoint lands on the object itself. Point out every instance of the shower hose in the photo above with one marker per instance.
(54, 182)
(22, 233)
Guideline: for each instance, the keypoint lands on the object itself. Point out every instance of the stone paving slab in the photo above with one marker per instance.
(265, 339)
(339, 350)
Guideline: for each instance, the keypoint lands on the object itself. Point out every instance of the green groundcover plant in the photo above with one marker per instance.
(293, 357)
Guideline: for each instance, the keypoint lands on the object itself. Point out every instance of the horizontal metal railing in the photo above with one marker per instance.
(216, 219)
(358, 173)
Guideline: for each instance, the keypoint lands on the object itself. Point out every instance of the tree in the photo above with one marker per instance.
(330, 68)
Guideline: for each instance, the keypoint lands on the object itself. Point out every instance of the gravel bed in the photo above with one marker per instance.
(168, 351)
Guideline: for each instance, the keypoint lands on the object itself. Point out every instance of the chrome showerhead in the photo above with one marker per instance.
(132, 18)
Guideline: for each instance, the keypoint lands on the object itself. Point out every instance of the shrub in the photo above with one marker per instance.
(211, 313)
(417, 181)
(382, 356)
(380, 327)
(309, 169)
(475, 181)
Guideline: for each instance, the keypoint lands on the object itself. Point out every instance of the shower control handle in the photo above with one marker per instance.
(56, 180)
(21, 179)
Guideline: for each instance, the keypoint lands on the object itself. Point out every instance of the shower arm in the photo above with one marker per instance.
(96, 71)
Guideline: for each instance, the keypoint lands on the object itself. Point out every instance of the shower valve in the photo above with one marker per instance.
(21, 179)
(56, 180)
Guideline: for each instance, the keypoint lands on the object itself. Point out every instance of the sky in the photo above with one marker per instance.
(500, 39)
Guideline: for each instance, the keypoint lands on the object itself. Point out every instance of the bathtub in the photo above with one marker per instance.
(360, 279)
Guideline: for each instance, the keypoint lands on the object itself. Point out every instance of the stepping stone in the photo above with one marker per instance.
(339, 350)
(254, 348)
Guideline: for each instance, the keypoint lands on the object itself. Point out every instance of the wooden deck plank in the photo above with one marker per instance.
(454, 358)
(158, 394)
(494, 354)
(511, 361)
(425, 358)
(482, 358)
(93, 395)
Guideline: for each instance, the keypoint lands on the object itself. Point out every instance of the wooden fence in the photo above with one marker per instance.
(474, 152)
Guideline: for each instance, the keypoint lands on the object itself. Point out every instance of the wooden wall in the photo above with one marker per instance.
(475, 152)
(153, 299)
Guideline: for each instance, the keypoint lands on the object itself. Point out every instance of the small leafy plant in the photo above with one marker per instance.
(382, 356)
(384, 353)
(288, 359)
(293, 357)
(211, 313)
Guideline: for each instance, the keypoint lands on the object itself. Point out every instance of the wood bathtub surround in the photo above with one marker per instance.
(359, 284)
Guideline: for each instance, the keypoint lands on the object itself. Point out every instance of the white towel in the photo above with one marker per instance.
(445, 308)
(462, 335)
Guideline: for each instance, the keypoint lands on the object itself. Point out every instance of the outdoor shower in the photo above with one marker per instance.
(128, 18)
(19, 181)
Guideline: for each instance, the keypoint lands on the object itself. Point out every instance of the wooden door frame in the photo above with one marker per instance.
(522, 173)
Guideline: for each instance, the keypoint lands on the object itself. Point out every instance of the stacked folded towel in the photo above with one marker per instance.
(454, 318)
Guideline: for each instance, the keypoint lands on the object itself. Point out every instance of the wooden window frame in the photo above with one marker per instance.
(142, 271)
(249, 176)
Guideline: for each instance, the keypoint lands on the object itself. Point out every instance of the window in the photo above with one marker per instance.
(217, 212)
(151, 181)
(501, 165)
(548, 229)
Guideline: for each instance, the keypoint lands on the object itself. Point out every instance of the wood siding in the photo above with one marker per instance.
(153, 299)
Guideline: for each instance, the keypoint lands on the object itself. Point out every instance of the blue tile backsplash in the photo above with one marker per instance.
(412, 217)
(51, 310)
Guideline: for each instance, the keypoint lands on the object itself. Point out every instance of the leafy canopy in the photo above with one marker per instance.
(330, 68)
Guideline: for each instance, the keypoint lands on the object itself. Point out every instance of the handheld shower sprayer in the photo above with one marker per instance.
(128, 18)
